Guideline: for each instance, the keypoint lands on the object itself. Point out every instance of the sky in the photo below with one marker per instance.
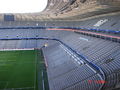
(22, 6)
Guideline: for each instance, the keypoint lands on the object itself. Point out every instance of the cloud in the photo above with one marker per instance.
(22, 6)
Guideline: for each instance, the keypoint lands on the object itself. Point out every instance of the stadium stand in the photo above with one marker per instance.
(80, 40)
(68, 73)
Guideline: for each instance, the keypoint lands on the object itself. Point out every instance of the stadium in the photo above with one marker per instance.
(70, 45)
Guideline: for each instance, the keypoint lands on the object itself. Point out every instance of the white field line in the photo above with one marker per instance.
(6, 85)
(18, 88)
(5, 70)
(35, 72)
(17, 49)
(43, 81)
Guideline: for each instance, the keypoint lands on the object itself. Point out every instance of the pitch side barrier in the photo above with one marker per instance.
(94, 67)
(25, 38)
(88, 29)
(76, 28)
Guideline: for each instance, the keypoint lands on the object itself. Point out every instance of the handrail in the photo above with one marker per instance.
(86, 60)
(53, 27)
(87, 32)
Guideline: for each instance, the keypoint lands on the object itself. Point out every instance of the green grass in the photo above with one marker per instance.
(22, 69)
(18, 69)
(42, 69)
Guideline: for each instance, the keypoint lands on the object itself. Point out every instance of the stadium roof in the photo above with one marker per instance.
(70, 10)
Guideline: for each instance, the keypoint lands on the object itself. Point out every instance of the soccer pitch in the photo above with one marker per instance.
(18, 70)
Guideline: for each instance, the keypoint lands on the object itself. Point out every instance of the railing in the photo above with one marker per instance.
(78, 28)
